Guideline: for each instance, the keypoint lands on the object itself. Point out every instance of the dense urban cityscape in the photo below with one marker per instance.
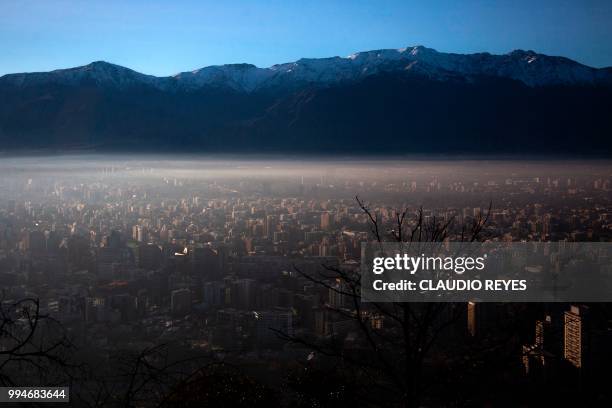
(214, 259)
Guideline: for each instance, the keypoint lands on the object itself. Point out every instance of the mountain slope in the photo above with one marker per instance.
(398, 101)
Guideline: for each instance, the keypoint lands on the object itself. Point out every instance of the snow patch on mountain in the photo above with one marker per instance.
(240, 77)
(529, 67)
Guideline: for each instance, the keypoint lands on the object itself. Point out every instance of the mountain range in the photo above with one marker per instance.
(408, 100)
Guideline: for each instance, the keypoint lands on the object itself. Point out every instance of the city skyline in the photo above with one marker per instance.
(262, 204)
(211, 262)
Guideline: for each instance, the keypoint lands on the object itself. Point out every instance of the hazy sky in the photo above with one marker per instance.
(166, 37)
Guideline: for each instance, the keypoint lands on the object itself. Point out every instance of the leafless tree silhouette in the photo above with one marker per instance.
(33, 346)
(397, 349)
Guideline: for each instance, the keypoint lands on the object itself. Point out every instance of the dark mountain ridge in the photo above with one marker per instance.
(412, 100)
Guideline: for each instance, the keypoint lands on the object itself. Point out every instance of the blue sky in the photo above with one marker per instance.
(166, 37)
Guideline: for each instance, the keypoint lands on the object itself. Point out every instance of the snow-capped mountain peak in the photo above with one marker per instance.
(240, 77)
(529, 67)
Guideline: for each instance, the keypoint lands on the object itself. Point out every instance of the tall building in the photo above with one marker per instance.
(573, 335)
(471, 319)
(180, 302)
(244, 293)
(270, 225)
(213, 293)
(140, 234)
(326, 221)
(339, 295)
(537, 355)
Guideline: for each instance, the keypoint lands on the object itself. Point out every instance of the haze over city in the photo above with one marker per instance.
(192, 192)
